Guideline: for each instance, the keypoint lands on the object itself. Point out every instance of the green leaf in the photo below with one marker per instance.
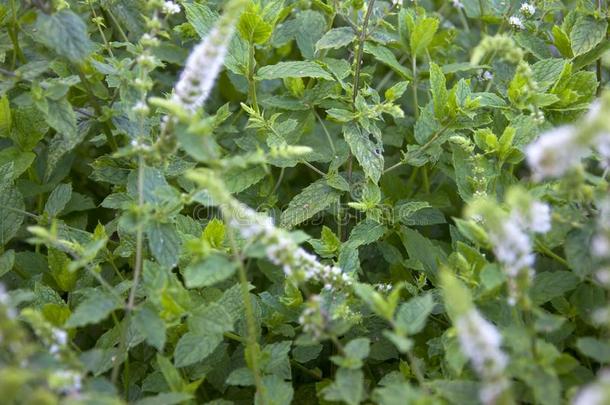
(194, 347)
(347, 387)
(336, 38)
(365, 232)
(276, 392)
(253, 28)
(95, 308)
(547, 72)
(209, 271)
(164, 243)
(423, 250)
(7, 261)
(239, 179)
(311, 27)
(5, 117)
(21, 160)
(214, 318)
(65, 33)
(548, 285)
(412, 315)
(577, 251)
(597, 349)
(586, 33)
(438, 88)
(58, 199)
(58, 267)
(369, 153)
(385, 56)
(12, 209)
(396, 393)
(214, 233)
(165, 398)
(422, 34)
(284, 70)
(151, 326)
(358, 348)
(310, 201)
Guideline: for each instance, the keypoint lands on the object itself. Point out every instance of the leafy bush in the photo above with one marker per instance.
(312, 201)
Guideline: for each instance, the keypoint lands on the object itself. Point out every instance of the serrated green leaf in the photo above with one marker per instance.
(151, 326)
(277, 392)
(65, 33)
(438, 88)
(253, 28)
(586, 33)
(336, 38)
(597, 349)
(368, 153)
(164, 243)
(548, 285)
(95, 308)
(58, 199)
(209, 271)
(311, 27)
(284, 70)
(347, 387)
(194, 347)
(12, 209)
(422, 34)
(411, 316)
(310, 201)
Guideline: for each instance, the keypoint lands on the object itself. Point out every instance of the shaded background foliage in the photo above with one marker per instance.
(411, 112)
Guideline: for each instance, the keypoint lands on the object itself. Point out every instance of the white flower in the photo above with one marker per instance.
(396, 3)
(169, 8)
(512, 247)
(527, 9)
(487, 75)
(457, 4)
(516, 22)
(596, 393)
(204, 64)
(602, 145)
(140, 108)
(65, 381)
(281, 250)
(537, 219)
(480, 341)
(554, 153)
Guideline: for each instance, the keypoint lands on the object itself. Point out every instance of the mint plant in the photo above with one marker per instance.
(312, 201)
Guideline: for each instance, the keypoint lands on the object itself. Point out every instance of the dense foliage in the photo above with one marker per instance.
(304, 201)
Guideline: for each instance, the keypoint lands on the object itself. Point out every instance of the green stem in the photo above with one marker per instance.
(252, 348)
(330, 140)
(415, 99)
(136, 275)
(14, 35)
(251, 80)
(548, 252)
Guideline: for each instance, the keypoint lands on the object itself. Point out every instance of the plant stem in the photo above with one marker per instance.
(358, 62)
(251, 81)
(315, 169)
(252, 349)
(415, 100)
(14, 35)
(136, 274)
(330, 140)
